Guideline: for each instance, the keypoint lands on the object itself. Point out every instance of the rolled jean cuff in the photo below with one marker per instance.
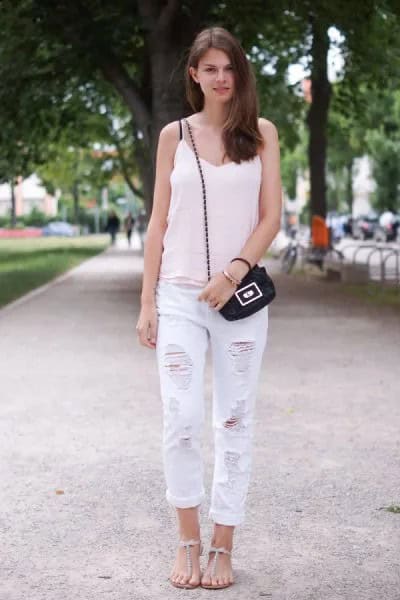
(189, 502)
(226, 519)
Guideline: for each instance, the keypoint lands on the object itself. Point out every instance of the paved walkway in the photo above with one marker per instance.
(80, 414)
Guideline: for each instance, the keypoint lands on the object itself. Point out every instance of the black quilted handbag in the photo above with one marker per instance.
(256, 289)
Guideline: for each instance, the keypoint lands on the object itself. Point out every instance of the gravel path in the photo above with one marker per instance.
(83, 514)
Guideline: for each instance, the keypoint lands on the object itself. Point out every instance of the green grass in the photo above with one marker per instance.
(394, 508)
(28, 263)
(375, 293)
(371, 292)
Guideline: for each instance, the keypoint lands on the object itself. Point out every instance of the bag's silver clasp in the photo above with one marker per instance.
(249, 293)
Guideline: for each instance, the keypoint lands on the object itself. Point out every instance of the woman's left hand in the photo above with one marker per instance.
(218, 291)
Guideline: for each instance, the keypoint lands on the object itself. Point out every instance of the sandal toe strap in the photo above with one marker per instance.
(187, 544)
(217, 551)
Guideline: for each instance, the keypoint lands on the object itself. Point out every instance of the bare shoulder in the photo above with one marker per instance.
(268, 129)
(170, 133)
(167, 142)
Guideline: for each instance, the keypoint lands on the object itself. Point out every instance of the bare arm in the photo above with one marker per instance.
(270, 203)
(147, 322)
(158, 221)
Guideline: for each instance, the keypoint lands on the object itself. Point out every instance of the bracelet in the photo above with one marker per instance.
(243, 260)
(232, 279)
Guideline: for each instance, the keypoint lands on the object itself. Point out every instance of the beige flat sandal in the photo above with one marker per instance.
(189, 564)
(217, 551)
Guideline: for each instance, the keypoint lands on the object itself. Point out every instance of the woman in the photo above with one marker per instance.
(179, 316)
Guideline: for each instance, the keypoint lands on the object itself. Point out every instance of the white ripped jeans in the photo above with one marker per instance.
(185, 327)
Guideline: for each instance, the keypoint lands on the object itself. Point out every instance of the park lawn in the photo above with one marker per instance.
(368, 293)
(375, 293)
(26, 264)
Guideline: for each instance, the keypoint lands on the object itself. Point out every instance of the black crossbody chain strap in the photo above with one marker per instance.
(203, 186)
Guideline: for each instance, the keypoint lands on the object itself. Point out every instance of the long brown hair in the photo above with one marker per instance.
(240, 134)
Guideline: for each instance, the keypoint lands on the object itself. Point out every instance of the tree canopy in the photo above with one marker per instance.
(112, 73)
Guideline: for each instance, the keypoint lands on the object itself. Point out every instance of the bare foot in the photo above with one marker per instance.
(180, 573)
(223, 574)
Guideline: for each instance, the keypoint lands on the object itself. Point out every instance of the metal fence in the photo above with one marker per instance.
(382, 260)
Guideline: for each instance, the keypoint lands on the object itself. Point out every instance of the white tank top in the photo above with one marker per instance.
(232, 211)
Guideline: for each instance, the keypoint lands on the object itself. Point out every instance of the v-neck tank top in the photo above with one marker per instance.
(232, 191)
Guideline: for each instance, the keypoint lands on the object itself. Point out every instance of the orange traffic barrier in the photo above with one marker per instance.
(319, 232)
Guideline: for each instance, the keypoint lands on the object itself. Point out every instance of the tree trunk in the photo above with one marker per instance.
(13, 207)
(145, 166)
(169, 32)
(166, 105)
(317, 117)
(349, 186)
(75, 194)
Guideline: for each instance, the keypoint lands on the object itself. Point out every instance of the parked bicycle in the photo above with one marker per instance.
(312, 251)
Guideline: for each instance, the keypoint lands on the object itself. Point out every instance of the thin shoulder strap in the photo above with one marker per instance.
(180, 129)
(203, 187)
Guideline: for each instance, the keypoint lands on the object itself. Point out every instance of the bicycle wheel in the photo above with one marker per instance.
(288, 259)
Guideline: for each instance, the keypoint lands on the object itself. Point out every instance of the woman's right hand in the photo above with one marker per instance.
(147, 325)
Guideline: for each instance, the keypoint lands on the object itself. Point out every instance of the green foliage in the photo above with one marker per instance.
(385, 153)
(294, 162)
(35, 218)
(305, 215)
(63, 102)
(370, 126)
(71, 165)
(76, 76)
(383, 143)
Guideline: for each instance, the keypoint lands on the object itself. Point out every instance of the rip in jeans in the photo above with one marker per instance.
(233, 483)
(185, 437)
(241, 354)
(236, 420)
(179, 366)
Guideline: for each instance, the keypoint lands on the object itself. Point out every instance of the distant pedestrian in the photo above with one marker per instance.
(129, 224)
(182, 292)
(141, 226)
(113, 224)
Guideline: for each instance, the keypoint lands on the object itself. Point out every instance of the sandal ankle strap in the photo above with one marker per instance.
(189, 542)
(221, 549)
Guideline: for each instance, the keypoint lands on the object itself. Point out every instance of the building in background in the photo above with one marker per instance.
(29, 194)
(363, 186)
